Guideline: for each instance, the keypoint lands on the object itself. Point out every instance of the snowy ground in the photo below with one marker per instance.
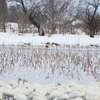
(72, 40)
(66, 40)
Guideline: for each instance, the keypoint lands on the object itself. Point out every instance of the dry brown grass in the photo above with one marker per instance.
(59, 62)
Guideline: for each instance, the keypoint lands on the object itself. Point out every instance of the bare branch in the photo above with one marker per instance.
(91, 16)
(32, 12)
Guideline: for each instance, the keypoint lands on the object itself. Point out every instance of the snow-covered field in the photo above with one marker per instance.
(76, 41)
(56, 59)
(67, 39)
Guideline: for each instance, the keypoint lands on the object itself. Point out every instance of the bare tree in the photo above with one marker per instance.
(11, 12)
(71, 19)
(20, 17)
(55, 10)
(3, 14)
(32, 12)
(90, 12)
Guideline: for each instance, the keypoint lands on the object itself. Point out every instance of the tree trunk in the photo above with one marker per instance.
(71, 29)
(38, 25)
(92, 32)
(60, 30)
(91, 35)
(41, 31)
(4, 27)
(53, 29)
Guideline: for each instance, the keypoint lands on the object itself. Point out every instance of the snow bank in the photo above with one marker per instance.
(72, 40)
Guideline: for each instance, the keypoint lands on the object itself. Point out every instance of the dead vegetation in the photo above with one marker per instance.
(66, 62)
(27, 43)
